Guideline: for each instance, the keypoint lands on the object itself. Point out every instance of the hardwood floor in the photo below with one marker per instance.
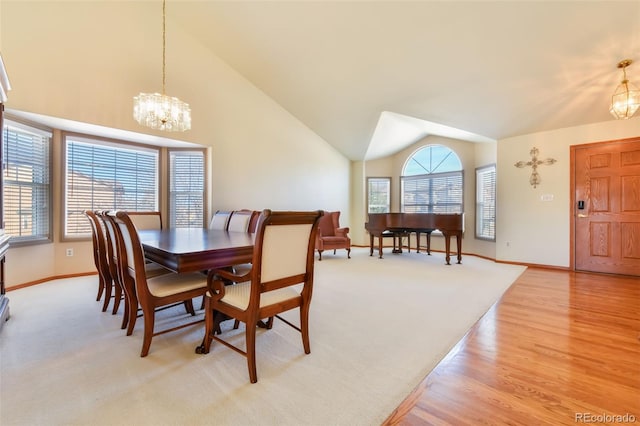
(559, 348)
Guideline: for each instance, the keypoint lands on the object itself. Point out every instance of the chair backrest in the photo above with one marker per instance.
(94, 238)
(283, 251)
(98, 236)
(130, 253)
(112, 242)
(220, 220)
(146, 220)
(328, 224)
(240, 220)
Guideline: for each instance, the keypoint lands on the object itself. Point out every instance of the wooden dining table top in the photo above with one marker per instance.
(196, 249)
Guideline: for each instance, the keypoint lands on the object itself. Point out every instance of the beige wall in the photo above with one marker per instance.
(529, 229)
(72, 60)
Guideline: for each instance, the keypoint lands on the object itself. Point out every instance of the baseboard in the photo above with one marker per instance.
(44, 280)
(508, 262)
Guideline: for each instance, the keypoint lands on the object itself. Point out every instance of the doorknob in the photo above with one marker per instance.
(582, 215)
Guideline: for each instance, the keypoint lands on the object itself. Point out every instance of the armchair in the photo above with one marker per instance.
(331, 235)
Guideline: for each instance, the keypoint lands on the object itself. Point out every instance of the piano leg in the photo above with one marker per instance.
(459, 245)
(380, 247)
(447, 245)
(370, 244)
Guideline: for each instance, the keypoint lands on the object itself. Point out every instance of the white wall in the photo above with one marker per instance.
(86, 60)
(530, 230)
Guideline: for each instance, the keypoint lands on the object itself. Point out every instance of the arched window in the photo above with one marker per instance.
(431, 181)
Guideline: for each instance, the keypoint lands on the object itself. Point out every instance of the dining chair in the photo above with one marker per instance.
(240, 220)
(105, 280)
(131, 305)
(146, 219)
(282, 259)
(220, 220)
(111, 260)
(153, 292)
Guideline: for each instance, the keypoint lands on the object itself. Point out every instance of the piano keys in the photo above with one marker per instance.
(397, 223)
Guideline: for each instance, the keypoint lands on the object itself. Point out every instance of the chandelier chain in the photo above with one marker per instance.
(164, 44)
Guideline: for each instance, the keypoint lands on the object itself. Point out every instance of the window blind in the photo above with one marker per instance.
(486, 203)
(107, 176)
(379, 195)
(186, 192)
(26, 169)
(432, 193)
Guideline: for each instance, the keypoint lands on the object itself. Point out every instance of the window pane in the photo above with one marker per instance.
(432, 181)
(107, 176)
(486, 203)
(186, 192)
(432, 159)
(379, 195)
(26, 178)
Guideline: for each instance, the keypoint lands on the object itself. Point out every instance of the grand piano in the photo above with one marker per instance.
(393, 224)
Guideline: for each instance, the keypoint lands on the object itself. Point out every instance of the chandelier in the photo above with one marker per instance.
(626, 99)
(159, 111)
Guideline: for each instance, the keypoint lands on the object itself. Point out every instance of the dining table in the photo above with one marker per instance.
(196, 249)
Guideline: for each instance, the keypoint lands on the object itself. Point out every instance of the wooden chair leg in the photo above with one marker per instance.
(209, 328)
(250, 334)
(304, 327)
(117, 298)
(100, 288)
(107, 295)
(149, 320)
(125, 315)
(133, 313)
(348, 253)
(188, 305)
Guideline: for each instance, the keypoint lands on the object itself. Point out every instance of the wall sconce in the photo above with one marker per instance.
(626, 99)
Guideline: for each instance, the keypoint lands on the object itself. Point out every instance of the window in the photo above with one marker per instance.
(106, 175)
(432, 181)
(26, 183)
(379, 195)
(486, 203)
(186, 188)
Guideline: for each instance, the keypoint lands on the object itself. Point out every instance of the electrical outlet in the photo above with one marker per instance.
(69, 252)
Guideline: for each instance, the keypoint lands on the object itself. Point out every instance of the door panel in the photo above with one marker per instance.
(607, 229)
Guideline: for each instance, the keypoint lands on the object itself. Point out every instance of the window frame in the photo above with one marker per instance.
(389, 193)
(169, 173)
(489, 168)
(433, 174)
(29, 127)
(108, 142)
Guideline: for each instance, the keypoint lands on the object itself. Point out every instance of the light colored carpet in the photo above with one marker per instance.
(377, 328)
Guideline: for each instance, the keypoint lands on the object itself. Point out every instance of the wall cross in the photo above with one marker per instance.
(534, 179)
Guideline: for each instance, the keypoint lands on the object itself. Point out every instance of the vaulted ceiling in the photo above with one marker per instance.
(486, 70)
(372, 77)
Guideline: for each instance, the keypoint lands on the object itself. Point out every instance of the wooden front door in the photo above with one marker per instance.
(607, 207)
